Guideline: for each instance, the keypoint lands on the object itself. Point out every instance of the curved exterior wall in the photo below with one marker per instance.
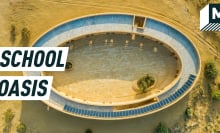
(86, 25)
(123, 23)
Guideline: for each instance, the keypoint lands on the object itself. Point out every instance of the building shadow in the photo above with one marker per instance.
(39, 120)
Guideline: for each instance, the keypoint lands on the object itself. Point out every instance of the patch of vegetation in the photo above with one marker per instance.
(68, 65)
(145, 82)
(214, 91)
(161, 128)
(13, 34)
(188, 112)
(211, 74)
(88, 131)
(9, 115)
(219, 86)
(216, 94)
(21, 128)
(210, 71)
(25, 37)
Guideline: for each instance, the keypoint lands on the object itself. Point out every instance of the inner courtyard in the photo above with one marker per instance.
(106, 66)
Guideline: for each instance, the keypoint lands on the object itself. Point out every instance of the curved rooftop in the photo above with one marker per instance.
(123, 23)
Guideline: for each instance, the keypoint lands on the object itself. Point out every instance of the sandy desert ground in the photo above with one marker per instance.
(39, 16)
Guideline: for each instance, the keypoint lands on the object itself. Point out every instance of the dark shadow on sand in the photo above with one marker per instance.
(38, 120)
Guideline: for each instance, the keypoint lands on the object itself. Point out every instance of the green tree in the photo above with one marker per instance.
(145, 82)
(161, 129)
(25, 36)
(188, 112)
(68, 65)
(9, 115)
(21, 128)
(216, 96)
(12, 34)
(88, 131)
(210, 71)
